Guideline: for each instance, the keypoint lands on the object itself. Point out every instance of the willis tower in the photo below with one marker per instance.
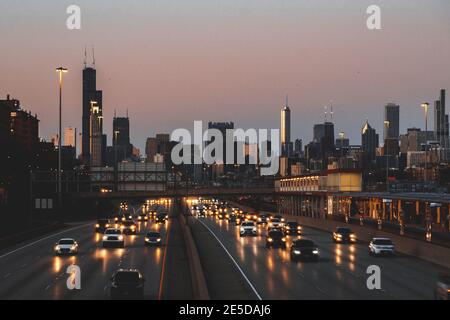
(90, 93)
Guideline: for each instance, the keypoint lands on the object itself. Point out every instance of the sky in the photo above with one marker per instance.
(170, 62)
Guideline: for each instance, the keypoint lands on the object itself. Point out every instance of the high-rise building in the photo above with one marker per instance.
(441, 125)
(96, 137)
(151, 149)
(90, 93)
(298, 147)
(391, 129)
(70, 137)
(121, 138)
(286, 145)
(370, 141)
(391, 121)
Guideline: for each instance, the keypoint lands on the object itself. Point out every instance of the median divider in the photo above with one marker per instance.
(29, 234)
(200, 289)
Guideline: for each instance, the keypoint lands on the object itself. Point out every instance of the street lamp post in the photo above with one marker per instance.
(425, 107)
(116, 164)
(386, 145)
(60, 71)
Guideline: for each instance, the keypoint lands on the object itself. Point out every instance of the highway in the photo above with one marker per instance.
(32, 271)
(339, 274)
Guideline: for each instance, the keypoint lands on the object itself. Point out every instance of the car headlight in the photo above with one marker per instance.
(57, 248)
(105, 238)
(270, 239)
(107, 225)
(73, 247)
(259, 219)
(352, 236)
(297, 252)
(316, 251)
(283, 239)
(97, 225)
(299, 228)
(254, 229)
(120, 238)
(159, 240)
(147, 239)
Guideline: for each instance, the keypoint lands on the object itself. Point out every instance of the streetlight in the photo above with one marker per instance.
(60, 71)
(387, 123)
(425, 107)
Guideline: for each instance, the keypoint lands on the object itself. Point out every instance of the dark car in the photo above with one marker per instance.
(275, 239)
(344, 235)
(292, 228)
(304, 249)
(127, 283)
(128, 227)
(279, 216)
(161, 218)
(153, 239)
(102, 225)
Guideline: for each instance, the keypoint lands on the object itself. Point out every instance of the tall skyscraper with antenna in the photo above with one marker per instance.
(90, 93)
(286, 144)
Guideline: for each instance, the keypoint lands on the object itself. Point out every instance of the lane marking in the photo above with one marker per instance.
(43, 239)
(233, 260)
(163, 268)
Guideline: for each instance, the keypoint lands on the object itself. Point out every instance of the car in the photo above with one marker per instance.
(344, 235)
(142, 217)
(113, 237)
(304, 249)
(201, 213)
(128, 227)
(221, 215)
(153, 238)
(381, 246)
(292, 228)
(262, 219)
(161, 218)
(66, 246)
(275, 239)
(275, 223)
(280, 217)
(442, 291)
(127, 283)
(102, 225)
(248, 228)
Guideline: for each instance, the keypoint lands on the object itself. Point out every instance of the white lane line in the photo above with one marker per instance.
(233, 260)
(43, 239)
(7, 276)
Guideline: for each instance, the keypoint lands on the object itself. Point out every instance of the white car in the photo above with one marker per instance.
(66, 246)
(275, 223)
(247, 228)
(380, 246)
(113, 237)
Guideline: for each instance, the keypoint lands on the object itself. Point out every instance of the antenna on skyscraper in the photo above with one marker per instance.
(326, 113)
(115, 114)
(331, 111)
(85, 57)
(93, 56)
(287, 100)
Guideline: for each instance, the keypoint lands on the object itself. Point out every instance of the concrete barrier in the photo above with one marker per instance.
(199, 287)
(28, 235)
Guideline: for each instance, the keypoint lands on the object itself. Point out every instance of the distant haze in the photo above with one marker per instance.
(170, 62)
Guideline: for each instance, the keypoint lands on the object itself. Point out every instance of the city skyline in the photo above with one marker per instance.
(177, 69)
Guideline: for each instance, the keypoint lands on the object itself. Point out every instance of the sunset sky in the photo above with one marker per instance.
(170, 62)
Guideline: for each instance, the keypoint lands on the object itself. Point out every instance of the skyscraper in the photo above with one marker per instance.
(441, 125)
(391, 129)
(121, 138)
(392, 121)
(90, 93)
(370, 142)
(286, 130)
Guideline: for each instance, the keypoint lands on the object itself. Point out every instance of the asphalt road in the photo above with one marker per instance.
(31, 271)
(339, 274)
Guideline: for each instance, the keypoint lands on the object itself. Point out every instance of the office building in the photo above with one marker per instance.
(286, 145)
(96, 137)
(70, 137)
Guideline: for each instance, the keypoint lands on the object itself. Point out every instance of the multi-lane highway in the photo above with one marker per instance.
(32, 271)
(339, 274)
